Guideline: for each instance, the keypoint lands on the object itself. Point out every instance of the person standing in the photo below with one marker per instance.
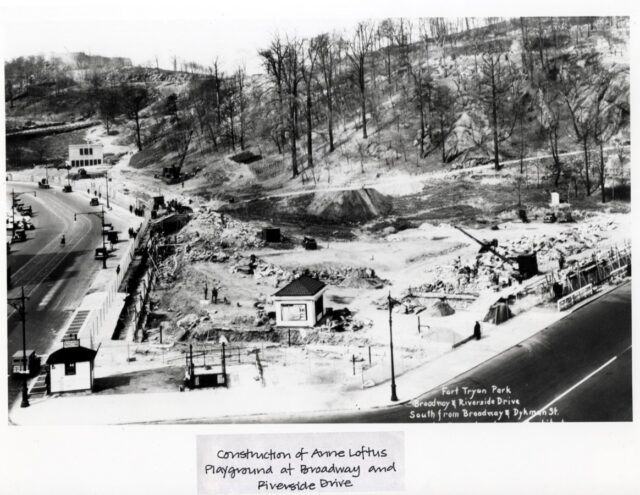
(206, 291)
(476, 331)
(214, 294)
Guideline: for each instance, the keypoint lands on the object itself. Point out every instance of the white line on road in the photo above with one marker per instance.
(569, 390)
(49, 295)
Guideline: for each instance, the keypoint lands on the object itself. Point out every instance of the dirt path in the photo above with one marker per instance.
(414, 179)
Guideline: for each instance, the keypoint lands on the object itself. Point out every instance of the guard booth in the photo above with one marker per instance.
(300, 303)
(71, 368)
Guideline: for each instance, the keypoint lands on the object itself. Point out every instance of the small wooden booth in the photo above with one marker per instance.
(300, 303)
(71, 368)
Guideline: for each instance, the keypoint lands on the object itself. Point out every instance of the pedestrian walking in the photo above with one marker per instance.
(476, 331)
(206, 291)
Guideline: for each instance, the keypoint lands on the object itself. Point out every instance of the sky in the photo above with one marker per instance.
(232, 30)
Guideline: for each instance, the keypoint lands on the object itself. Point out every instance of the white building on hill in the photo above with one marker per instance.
(86, 155)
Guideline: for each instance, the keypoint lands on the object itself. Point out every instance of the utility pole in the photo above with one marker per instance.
(19, 303)
(13, 210)
(394, 396)
(106, 178)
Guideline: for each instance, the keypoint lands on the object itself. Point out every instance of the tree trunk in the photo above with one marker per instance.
(442, 138)
(309, 142)
(585, 147)
(602, 172)
(494, 120)
(292, 138)
(139, 142)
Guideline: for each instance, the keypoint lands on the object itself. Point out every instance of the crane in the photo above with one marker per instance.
(526, 264)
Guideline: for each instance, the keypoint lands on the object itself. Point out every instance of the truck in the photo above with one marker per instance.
(44, 183)
(25, 363)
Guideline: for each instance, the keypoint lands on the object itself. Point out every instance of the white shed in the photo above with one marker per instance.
(301, 303)
(71, 368)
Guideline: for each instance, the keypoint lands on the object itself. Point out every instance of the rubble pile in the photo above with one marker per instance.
(343, 321)
(355, 277)
(212, 231)
(486, 270)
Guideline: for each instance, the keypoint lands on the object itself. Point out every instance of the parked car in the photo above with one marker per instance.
(564, 216)
(549, 217)
(94, 202)
(101, 253)
(309, 243)
(19, 236)
(19, 367)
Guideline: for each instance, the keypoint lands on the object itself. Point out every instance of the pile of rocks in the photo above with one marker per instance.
(487, 270)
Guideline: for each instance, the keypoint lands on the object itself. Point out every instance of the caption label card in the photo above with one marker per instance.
(302, 463)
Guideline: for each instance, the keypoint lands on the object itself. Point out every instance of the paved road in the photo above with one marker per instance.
(55, 278)
(578, 369)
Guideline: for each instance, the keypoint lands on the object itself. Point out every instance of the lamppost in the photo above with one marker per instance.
(104, 244)
(394, 396)
(19, 304)
(106, 179)
(13, 210)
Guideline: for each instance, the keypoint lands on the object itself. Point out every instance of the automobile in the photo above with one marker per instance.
(19, 236)
(112, 236)
(67, 188)
(94, 202)
(126, 191)
(549, 217)
(101, 253)
(21, 367)
(564, 216)
(309, 243)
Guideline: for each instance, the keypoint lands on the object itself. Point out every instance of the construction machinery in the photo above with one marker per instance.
(525, 263)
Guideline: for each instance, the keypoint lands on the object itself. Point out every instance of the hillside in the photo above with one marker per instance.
(437, 94)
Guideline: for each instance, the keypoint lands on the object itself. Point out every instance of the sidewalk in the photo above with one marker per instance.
(210, 404)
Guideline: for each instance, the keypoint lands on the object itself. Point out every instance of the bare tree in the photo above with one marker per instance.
(108, 106)
(273, 59)
(551, 104)
(240, 78)
(291, 78)
(358, 49)
(326, 59)
(134, 99)
(307, 67)
(577, 92)
(444, 113)
(498, 88)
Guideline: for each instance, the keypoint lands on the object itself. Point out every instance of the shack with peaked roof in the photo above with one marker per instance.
(71, 368)
(300, 303)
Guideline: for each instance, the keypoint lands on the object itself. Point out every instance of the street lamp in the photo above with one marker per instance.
(19, 304)
(104, 244)
(106, 178)
(394, 396)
